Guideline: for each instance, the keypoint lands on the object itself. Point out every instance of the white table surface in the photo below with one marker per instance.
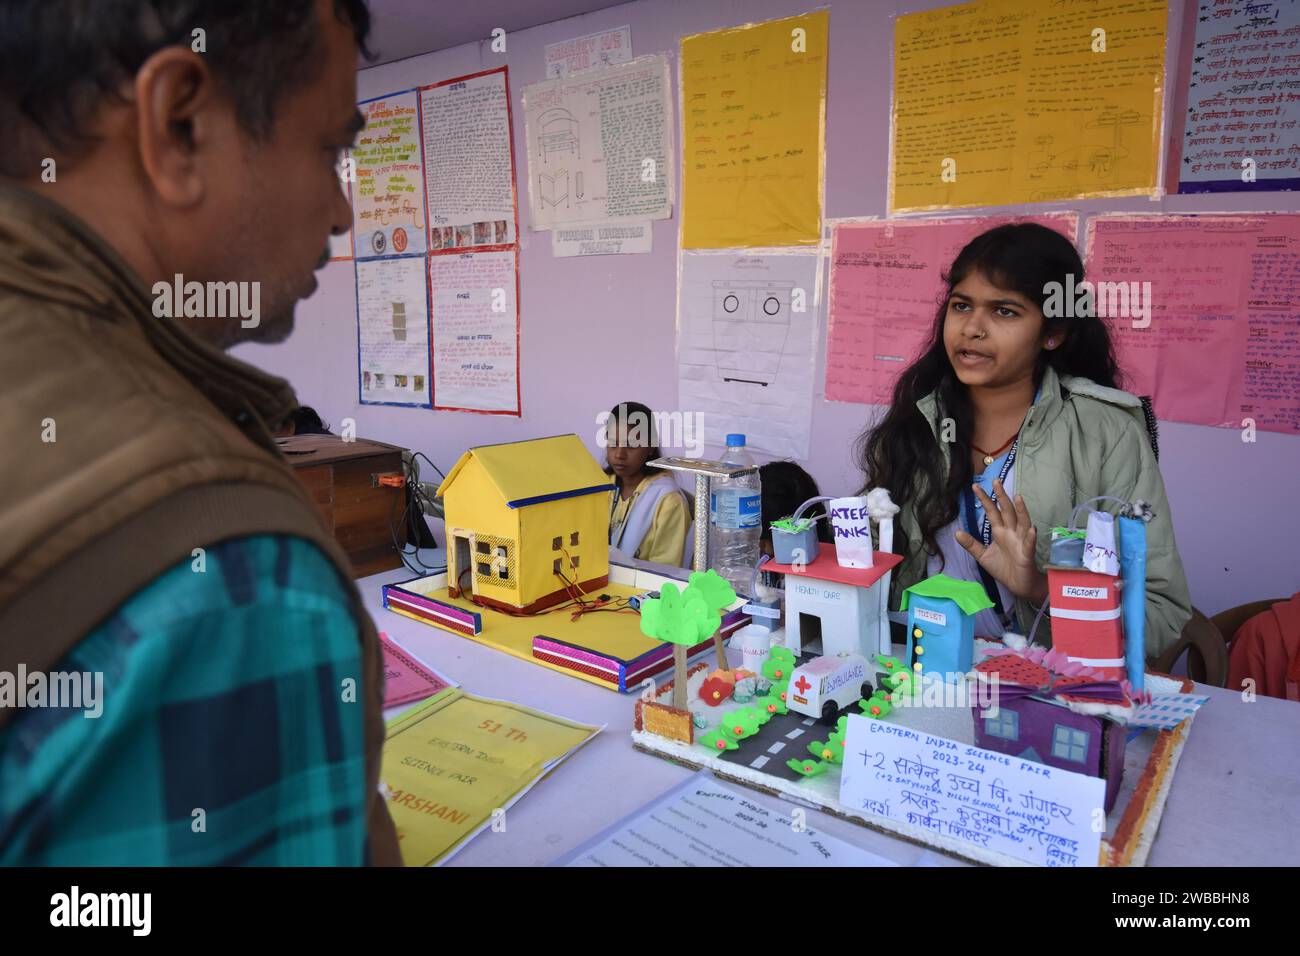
(1235, 799)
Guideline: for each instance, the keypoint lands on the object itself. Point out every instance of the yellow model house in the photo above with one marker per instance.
(525, 520)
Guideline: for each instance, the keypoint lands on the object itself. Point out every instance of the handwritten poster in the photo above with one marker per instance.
(475, 331)
(1221, 342)
(702, 822)
(451, 763)
(602, 239)
(469, 165)
(387, 197)
(600, 145)
(1239, 125)
(1010, 101)
(609, 48)
(754, 119)
(886, 287)
(393, 331)
(746, 336)
(1028, 810)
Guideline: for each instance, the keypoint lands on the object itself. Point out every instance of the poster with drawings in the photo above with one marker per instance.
(388, 194)
(600, 145)
(393, 331)
(746, 338)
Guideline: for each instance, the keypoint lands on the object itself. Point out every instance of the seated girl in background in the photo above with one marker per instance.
(785, 487)
(649, 517)
(1020, 404)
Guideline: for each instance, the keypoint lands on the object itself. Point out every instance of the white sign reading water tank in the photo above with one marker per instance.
(1024, 809)
(852, 525)
(601, 239)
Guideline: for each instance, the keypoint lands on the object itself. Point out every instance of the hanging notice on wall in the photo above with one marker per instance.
(600, 145)
(475, 331)
(746, 336)
(469, 164)
(754, 124)
(393, 331)
(1205, 312)
(1003, 101)
(1238, 99)
(885, 290)
(388, 195)
(609, 48)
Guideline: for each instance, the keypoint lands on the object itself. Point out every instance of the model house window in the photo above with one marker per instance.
(482, 547)
(573, 540)
(1070, 744)
(503, 564)
(556, 566)
(573, 562)
(1005, 725)
(484, 570)
(494, 562)
(557, 544)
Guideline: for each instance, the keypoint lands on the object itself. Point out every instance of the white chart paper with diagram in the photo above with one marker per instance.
(393, 331)
(746, 338)
(600, 145)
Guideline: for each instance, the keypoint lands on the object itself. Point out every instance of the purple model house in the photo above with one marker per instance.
(1056, 712)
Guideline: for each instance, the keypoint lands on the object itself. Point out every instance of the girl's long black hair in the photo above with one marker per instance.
(901, 453)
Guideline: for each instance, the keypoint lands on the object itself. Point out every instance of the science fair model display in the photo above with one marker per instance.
(999, 752)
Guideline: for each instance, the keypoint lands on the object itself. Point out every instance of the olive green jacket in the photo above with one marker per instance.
(1079, 441)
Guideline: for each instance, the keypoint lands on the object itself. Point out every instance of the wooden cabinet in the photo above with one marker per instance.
(366, 517)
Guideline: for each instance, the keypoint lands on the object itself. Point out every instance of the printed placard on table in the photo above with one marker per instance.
(469, 163)
(475, 331)
(1239, 125)
(393, 331)
(600, 145)
(1205, 313)
(753, 129)
(993, 801)
(388, 194)
(1000, 102)
(746, 340)
(885, 290)
(608, 48)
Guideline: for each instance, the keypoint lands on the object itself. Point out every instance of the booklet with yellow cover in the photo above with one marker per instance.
(455, 760)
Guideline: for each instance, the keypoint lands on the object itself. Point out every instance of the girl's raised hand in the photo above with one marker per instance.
(1009, 557)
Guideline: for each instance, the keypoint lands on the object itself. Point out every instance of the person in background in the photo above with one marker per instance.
(304, 420)
(649, 517)
(1009, 402)
(785, 487)
(240, 672)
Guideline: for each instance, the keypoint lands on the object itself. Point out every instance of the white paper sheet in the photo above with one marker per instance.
(468, 162)
(475, 331)
(600, 145)
(393, 331)
(746, 336)
(703, 823)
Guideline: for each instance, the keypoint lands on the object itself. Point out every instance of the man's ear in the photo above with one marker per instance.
(176, 118)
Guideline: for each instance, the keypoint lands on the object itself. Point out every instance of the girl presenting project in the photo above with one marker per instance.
(649, 517)
(1009, 419)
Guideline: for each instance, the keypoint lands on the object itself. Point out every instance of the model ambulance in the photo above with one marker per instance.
(826, 685)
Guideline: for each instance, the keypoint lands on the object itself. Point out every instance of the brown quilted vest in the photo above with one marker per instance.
(161, 446)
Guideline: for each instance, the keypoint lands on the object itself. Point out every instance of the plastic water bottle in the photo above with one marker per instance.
(735, 516)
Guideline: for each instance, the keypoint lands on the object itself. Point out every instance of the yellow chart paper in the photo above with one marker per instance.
(754, 119)
(1014, 101)
(448, 763)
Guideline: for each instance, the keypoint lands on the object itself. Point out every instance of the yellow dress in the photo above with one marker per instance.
(665, 540)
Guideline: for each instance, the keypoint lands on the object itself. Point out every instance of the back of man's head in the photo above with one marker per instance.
(198, 137)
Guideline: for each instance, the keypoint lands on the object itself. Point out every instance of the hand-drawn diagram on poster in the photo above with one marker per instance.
(885, 286)
(600, 145)
(1219, 342)
(754, 118)
(475, 331)
(746, 335)
(388, 195)
(469, 163)
(1239, 125)
(1000, 102)
(393, 331)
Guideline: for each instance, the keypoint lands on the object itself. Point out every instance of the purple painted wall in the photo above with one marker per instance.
(596, 331)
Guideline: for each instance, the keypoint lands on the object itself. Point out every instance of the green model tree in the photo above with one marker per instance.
(685, 618)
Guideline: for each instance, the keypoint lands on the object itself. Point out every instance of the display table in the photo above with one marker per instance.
(1235, 797)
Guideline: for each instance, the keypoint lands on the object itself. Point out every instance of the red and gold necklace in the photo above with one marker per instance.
(990, 455)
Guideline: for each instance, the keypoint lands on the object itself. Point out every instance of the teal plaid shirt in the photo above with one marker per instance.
(225, 736)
